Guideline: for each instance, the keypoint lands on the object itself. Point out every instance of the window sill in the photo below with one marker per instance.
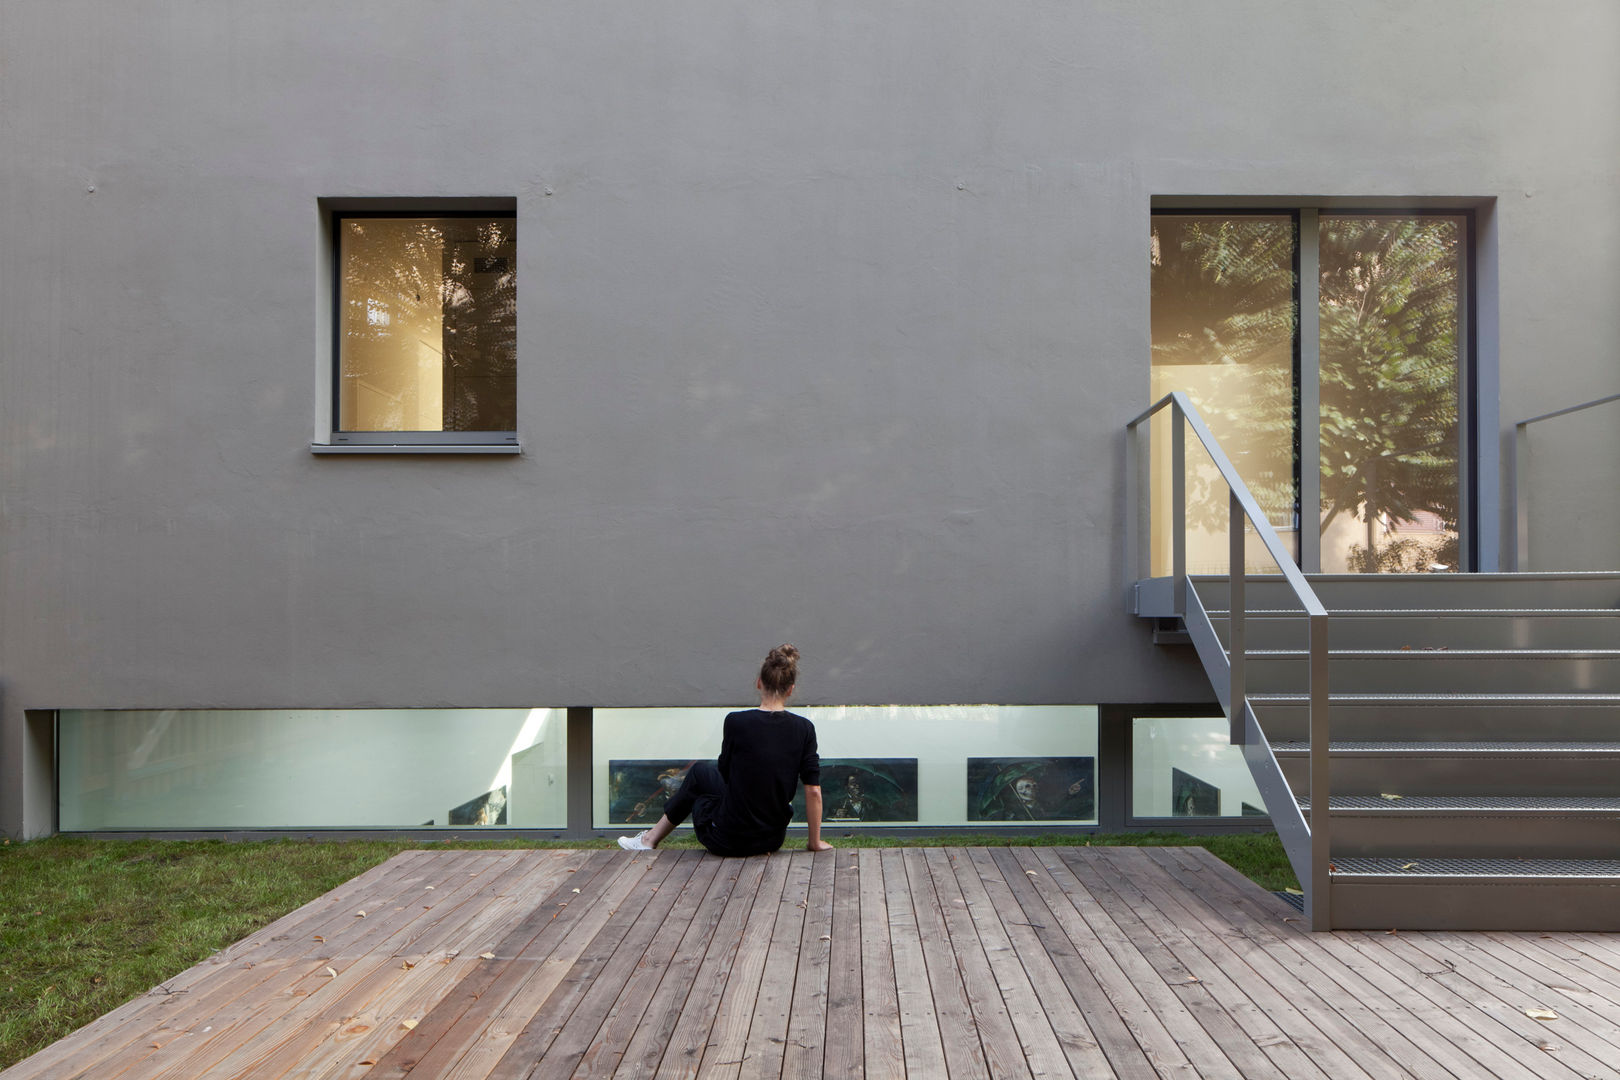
(415, 448)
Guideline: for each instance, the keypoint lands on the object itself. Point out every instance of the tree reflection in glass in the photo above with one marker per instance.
(1223, 331)
(1389, 377)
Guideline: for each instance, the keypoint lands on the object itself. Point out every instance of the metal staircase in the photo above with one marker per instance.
(1465, 729)
(1474, 761)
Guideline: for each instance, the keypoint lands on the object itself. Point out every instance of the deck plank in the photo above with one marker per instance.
(923, 1048)
(1115, 1036)
(1346, 1024)
(881, 1050)
(988, 1013)
(725, 1056)
(1250, 1041)
(280, 1020)
(183, 1004)
(961, 962)
(1074, 1035)
(613, 1037)
(691, 1036)
(845, 1053)
(1412, 989)
(647, 1046)
(807, 1017)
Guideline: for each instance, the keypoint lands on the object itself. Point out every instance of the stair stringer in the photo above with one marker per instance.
(1286, 816)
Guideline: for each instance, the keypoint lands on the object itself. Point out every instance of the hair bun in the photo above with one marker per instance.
(785, 652)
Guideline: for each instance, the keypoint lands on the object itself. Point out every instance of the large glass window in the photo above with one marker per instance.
(940, 765)
(1187, 767)
(427, 327)
(1223, 316)
(1372, 384)
(312, 768)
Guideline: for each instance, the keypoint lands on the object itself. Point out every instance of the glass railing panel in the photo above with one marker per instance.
(1570, 470)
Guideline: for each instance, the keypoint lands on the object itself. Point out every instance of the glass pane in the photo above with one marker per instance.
(880, 765)
(427, 324)
(312, 768)
(1566, 460)
(1223, 329)
(1391, 299)
(1186, 767)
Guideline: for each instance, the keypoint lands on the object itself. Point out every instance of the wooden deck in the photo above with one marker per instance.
(1034, 962)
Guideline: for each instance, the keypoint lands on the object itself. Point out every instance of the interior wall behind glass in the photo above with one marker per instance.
(1223, 329)
(937, 765)
(427, 324)
(1187, 767)
(312, 768)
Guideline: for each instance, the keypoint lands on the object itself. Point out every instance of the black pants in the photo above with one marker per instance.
(699, 798)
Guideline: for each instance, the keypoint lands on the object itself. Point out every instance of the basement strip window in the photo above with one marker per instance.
(975, 766)
(124, 769)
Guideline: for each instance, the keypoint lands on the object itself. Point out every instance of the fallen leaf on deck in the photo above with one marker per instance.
(1387, 795)
(319, 938)
(576, 890)
(430, 886)
(1032, 873)
(486, 956)
(1541, 1014)
(408, 1025)
(1549, 1047)
(359, 914)
(1409, 866)
(1389, 932)
(826, 937)
(332, 973)
(406, 966)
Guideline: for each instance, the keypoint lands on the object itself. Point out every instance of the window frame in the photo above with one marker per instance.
(1476, 403)
(331, 438)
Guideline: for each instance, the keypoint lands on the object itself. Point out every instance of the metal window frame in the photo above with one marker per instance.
(1307, 214)
(342, 441)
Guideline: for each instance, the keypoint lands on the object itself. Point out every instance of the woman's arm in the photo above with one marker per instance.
(812, 815)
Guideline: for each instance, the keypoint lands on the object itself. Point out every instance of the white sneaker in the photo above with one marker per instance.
(635, 843)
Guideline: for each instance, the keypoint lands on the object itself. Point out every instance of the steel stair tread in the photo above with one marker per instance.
(1397, 698)
(1420, 613)
(1489, 804)
(1438, 651)
(1420, 866)
(1476, 746)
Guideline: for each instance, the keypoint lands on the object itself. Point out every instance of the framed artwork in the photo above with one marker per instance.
(488, 809)
(865, 789)
(638, 788)
(1032, 789)
(1192, 797)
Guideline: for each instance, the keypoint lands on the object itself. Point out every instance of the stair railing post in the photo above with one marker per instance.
(1178, 506)
(1236, 644)
(1318, 890)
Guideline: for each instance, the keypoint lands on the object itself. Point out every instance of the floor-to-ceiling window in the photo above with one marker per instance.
(1336, 331)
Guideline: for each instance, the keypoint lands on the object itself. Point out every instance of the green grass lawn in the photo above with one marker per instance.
(86, 925)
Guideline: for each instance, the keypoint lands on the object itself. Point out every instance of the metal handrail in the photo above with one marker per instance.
(1241, 505)
(1521, 486)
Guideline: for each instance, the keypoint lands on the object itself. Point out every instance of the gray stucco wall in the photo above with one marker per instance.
(830, 318)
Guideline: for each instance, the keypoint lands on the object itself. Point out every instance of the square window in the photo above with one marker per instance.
(426, 329)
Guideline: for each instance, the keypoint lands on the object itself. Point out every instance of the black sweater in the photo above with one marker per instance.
(763, 757)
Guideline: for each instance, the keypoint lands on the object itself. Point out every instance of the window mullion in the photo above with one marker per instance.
(1310, 393)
